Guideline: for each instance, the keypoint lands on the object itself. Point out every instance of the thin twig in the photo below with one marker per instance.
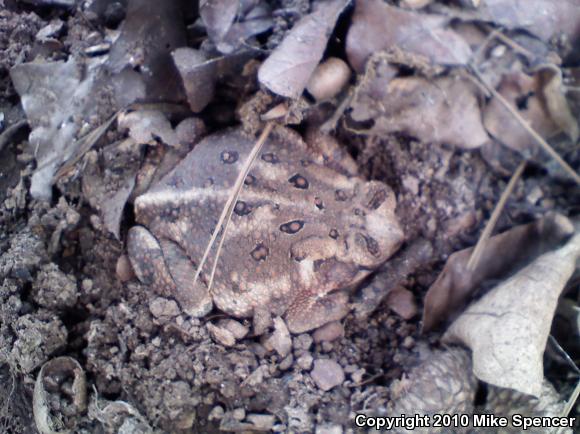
(476, 254)
(543, 144)
(229, 206)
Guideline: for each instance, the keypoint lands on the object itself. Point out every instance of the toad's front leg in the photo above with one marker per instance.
(165, 267)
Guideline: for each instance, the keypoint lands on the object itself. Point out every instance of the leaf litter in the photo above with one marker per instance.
(416, 117)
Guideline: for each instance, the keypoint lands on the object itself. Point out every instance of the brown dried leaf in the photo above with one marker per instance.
(145, 125)
(507, 329)
(445, 110)
(543, 18)
(378, 26)
(524, 93)
(287, 70)
(198, 74)
(218, 17)
(556, 103)
(502, 254)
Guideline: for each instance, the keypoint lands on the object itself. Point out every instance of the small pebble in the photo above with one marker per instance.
(402, 302)
(239, 330)
(327, 374)
(221, 335)
(216, 413)
(327, 428)
(286, 364)
(305, 361)
(328, 332)
(280, 340)
(239, 414)
(164, 308)
(124, 269)
(328, 79)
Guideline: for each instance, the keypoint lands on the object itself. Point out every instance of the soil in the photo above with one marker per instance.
(61, 294)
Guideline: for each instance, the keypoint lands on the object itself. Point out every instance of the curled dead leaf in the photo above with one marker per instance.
(444, 110)
(501, 255)
(287, 70)
(507, 329)
(378, 26)
(60, 376)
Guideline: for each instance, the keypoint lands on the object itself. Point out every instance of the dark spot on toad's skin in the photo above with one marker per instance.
(372, 245)
(359, 212)
(340, 195)
(292, 227)
(318, 264)
(299, 181)
(270, 158)
(377, 199)
(229, 157)
(318, 202)
(250, 180)
(260, 252)
(242, 208)
(333, 234)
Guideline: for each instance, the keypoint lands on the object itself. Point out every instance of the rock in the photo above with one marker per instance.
(280, 340)
(123, 269)
(402, 302)
(305, 361)
(164, 308)
(328, 79)
(236, 328)
(221, 335)
(327, 428)
(327, 374)
(328, 332)
(53, 289)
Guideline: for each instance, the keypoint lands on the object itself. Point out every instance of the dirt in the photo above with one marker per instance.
(60, 294)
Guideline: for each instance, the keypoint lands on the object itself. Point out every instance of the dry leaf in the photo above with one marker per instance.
(378, 26)
(287, 70)
(198, 75)
(543, 18)
(503, 254)
(507, 329)
(146, 125)
(524, 94)
(555, 100)
(53, 108)
(445, 110)
(218, 17)
(258, 19)
(141, 53)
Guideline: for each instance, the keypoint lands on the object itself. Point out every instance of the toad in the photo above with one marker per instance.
(304, 228)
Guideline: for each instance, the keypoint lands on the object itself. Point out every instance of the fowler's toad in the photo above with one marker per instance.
(303, 226)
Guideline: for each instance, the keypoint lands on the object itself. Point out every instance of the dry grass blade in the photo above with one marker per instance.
(87, 142)
(476, 255)
(226, 214)
(528, 128)
(570, 403)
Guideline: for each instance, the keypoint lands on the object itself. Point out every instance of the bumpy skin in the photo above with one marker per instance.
(303, 226)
